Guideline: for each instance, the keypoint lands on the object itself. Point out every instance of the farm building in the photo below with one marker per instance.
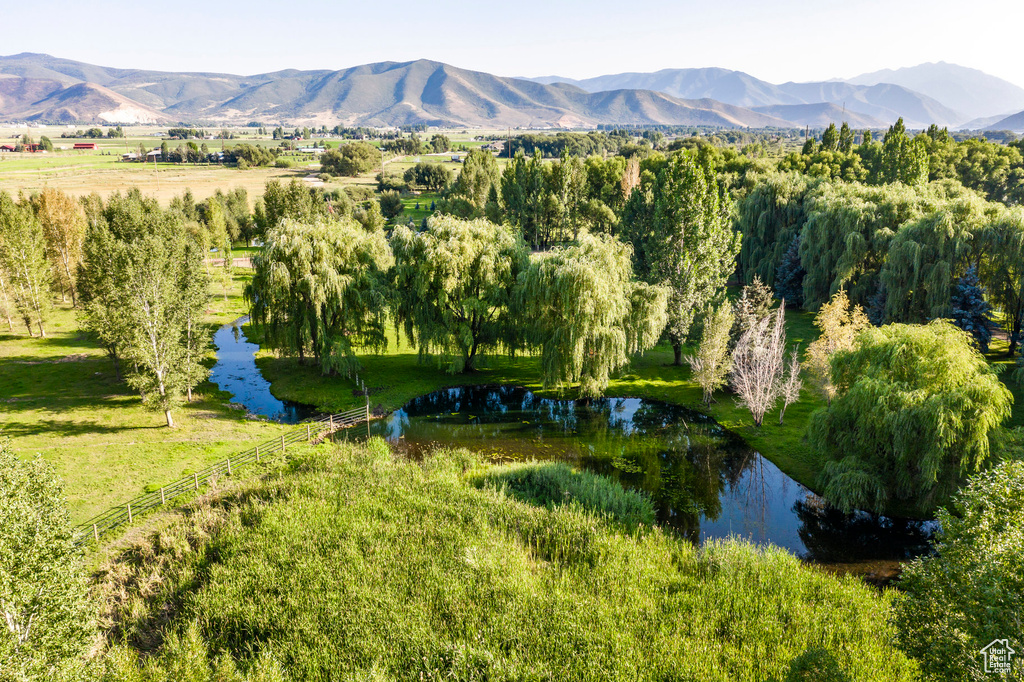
(6, 148)
(85, 145)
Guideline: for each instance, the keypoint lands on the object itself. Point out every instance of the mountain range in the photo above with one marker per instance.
(945, 94)
(39, 87)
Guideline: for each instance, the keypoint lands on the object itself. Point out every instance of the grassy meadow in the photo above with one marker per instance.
(355, 565)
(59, 397)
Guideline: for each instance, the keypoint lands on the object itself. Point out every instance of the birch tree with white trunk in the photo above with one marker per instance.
(758, 364)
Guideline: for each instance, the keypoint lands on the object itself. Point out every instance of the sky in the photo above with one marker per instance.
(775, 40)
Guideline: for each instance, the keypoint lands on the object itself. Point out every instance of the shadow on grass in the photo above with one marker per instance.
(63, 428)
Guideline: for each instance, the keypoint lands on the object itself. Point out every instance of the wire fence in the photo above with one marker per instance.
(314, 432)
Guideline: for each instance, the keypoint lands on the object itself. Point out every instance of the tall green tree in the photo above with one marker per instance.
(915, 412)
(45, 616)
(683, 234)
(587, 313)
(321, 289)
(904, 159)
(479, 175)
(63, 222)
(523, 196)
(23, 259)
(454, 285)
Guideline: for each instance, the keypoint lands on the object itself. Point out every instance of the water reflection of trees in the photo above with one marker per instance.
(832, 536)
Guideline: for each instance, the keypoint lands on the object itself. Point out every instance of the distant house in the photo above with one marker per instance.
(130, 156)
(85, 146)
(6, 148)
(310, 150)
(496, 146)
(154, 155)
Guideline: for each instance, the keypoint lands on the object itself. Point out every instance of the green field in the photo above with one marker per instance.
(60, 399)
(392, 569)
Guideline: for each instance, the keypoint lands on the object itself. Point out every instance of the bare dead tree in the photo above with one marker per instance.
(758, 364)
(792, 384)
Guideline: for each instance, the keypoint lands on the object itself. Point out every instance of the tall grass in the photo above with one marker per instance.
(360, 566)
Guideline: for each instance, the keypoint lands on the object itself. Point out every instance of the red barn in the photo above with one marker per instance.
(85, 145)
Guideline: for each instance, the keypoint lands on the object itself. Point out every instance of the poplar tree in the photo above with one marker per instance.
(23, 258)
(454, 284)
(838, 325)
(45, 616)
(682, 232)
(586, 313)
(63, 223)
(1002, 271)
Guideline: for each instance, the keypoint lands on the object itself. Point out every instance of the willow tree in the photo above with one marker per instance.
(454, 285)
(321, 289)
(927, 255)
(587, 314)
(846, 237)
(770, 218)
(63, 223)
(684, 237)
(1002, 271)
(915, 413)
(23, 260)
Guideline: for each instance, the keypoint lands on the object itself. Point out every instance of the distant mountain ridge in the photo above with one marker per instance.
(973, 92)
(45, 88)
(945, 94)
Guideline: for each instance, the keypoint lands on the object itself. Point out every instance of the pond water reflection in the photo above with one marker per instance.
(705, 481)
(236, 373)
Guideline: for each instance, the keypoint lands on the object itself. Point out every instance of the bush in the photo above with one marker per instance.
(968, 593)
(350, 159)
(391, 205)
(47, 620)
(283, 163)
(555, 484)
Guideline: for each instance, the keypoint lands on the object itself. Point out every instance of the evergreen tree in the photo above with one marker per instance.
(789, 277)
(845, 139)
(830, 138)
(970, 311)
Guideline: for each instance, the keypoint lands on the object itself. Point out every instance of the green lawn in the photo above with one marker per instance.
(59, 398)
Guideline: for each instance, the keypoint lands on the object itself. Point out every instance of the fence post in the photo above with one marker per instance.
(95, 533)
(229, 466)
(367, 416)
(129, 513)
(195, 477)
(282, 443)
(257, 453)
(163, 500)
(307, 433)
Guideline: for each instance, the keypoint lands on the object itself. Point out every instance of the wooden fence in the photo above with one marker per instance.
(314, 431)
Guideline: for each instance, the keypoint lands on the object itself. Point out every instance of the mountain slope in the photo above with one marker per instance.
(89, 102)
(973, 92)
(820, 115)
(1014, 123)
(883, 103)
(382, 94)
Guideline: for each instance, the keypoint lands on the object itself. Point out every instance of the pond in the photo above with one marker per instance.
(705, 481)
(236, 373)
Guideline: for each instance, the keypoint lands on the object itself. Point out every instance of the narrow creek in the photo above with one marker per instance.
(705, 482)
(236, 373)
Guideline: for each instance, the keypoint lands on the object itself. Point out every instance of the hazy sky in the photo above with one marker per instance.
(776, 40)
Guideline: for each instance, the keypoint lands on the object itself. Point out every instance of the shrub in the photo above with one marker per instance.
(968, 593)
(46, 618)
